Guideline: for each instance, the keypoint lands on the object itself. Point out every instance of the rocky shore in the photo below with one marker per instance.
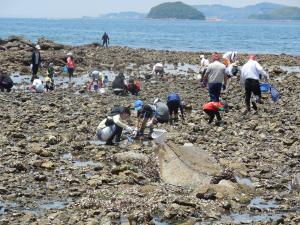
(53, 171)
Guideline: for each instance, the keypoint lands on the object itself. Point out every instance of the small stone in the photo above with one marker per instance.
(48, 165)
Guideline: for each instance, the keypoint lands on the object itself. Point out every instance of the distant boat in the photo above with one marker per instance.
(214, 19)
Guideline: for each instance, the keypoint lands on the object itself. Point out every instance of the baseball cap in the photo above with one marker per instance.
(138, 104)
(38, 47)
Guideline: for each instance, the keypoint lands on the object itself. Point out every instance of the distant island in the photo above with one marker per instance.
(175, 10)
(232, 13)
(284, 13)
(179, 10)
(125, 15)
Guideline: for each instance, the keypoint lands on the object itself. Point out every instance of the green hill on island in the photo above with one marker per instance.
(175, 10)
(284, 13)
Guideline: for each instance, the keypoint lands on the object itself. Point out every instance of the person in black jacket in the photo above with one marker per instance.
(35, 61)
(105, 40)
(6, 83)
(119, 85)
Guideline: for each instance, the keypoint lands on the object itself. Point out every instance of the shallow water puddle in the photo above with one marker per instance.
(53, 205)
(244, 181)
(79, 163)
(97, 142)
(259, 203)
(246, 218)
(67, 156)
(291, 69)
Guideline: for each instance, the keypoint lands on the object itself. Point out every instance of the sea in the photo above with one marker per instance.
(248, 36)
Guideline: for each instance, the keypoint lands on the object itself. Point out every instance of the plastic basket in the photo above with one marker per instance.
(159, 136)
(264, 87)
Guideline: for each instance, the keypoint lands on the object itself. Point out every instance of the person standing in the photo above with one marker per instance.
(229, 57)
(250, 76)
(35, 61)
(215, 74)
(203, 67)
(70, 65)
(105, 40)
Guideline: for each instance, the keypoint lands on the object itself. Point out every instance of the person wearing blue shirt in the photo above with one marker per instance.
(174, 103)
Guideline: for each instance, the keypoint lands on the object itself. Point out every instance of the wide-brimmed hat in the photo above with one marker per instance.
(69, 54)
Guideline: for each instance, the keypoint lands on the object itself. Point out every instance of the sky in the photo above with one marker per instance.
(79, 8)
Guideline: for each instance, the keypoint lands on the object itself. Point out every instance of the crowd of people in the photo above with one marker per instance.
(215, 76)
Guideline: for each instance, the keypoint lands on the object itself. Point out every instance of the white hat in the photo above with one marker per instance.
(156, 100)
(202, 56)
(69, 54)
(38, 47)
(95, 72)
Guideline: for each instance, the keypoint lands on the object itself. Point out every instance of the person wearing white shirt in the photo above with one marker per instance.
(37, 86)
(112, 126)
(203, 65)
(158, 68)
(250, 75)
(229, 57)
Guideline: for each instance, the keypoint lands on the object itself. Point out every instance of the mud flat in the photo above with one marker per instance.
(53, 171)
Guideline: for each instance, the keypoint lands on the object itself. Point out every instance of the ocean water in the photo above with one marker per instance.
(243, 36)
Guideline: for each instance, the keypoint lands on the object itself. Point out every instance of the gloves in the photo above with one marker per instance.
(223, 87)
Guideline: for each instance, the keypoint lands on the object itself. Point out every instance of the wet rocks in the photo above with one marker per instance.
(131, 180)
(48, 165)
(46, 44)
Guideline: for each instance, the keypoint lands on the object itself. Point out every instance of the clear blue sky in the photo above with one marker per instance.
(79, 8)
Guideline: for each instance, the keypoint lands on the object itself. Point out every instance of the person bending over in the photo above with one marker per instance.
(6, 83)
(174, 104)
(110, 129)
(212, 109)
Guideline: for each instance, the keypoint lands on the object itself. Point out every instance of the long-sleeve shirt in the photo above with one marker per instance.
(36, 58)
(204, 63)
(173, 97)
(215, 106)
(215, 72)
(252, 70)
(117, 120)
(157, 67)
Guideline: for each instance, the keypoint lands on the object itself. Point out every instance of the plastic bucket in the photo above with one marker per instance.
(159, 136)
(264, 87)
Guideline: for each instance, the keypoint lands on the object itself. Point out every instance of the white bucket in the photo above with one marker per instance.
(159, 136)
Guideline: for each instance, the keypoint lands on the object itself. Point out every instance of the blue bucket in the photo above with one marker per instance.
(264, 87)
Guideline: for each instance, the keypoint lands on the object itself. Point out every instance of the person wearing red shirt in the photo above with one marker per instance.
(212, 109)
(70, 65)
(134, 86)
